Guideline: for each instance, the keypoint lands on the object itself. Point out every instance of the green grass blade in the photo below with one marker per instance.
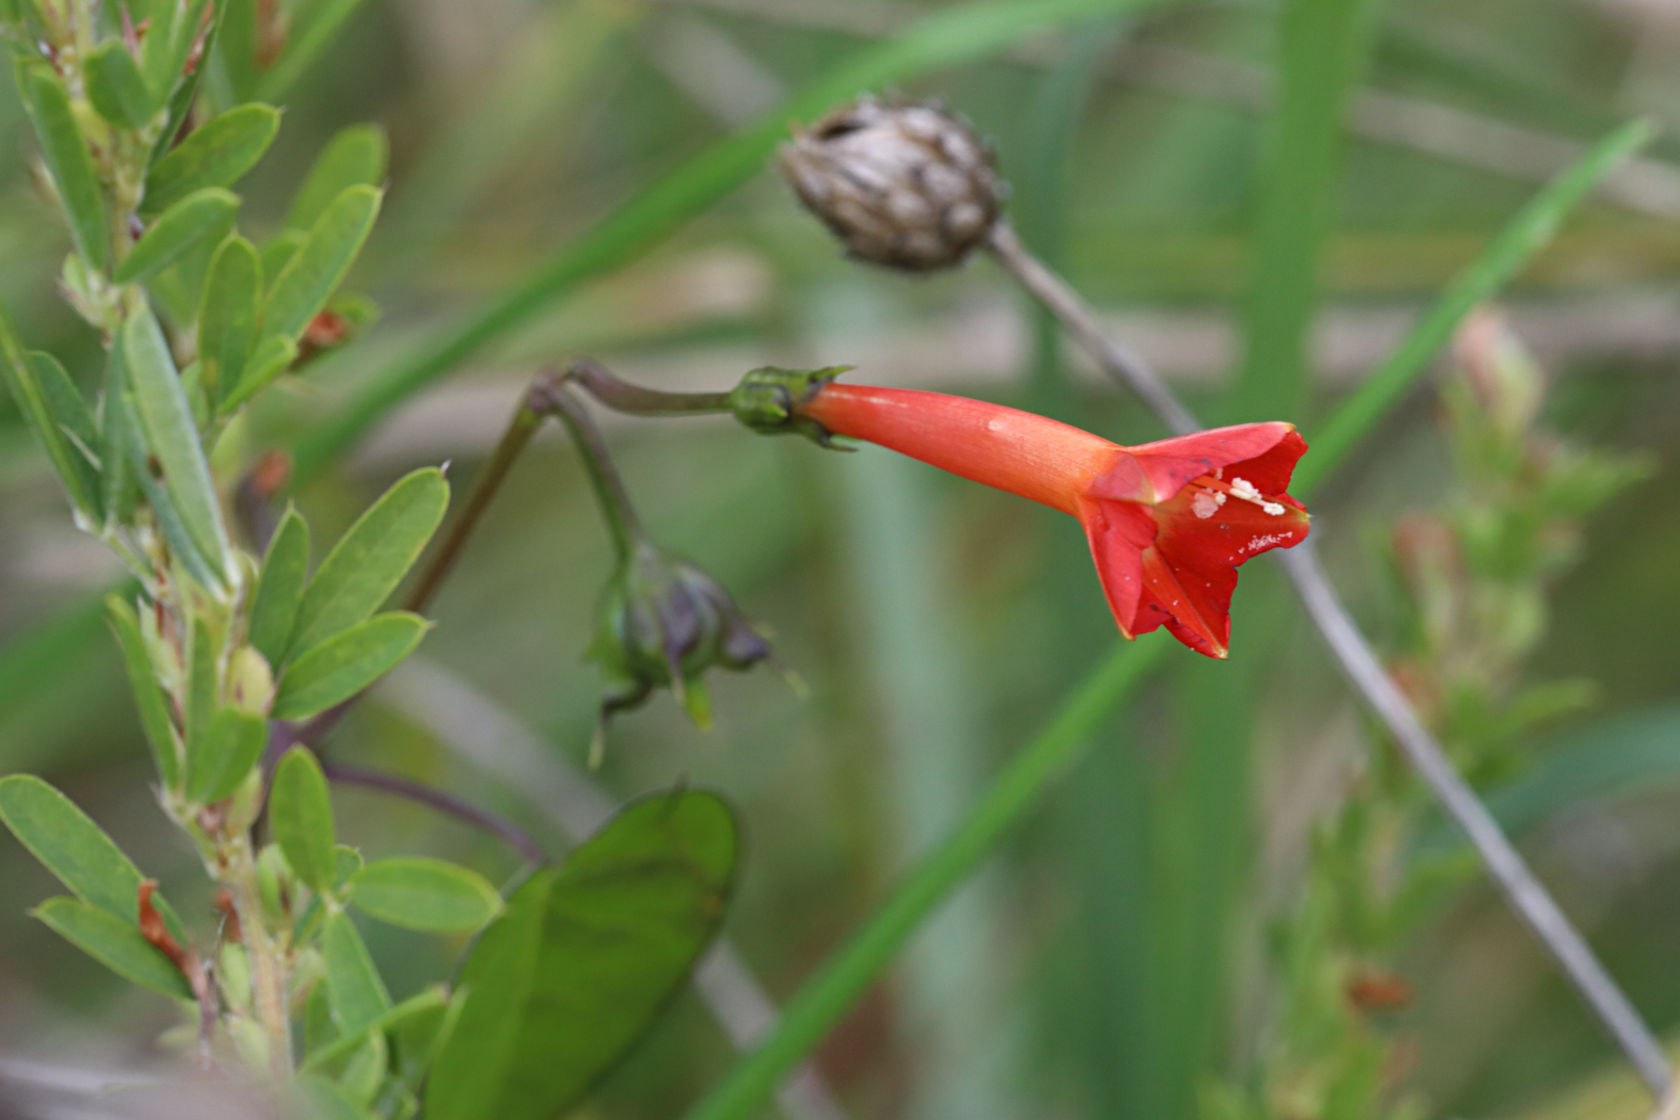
(1323, 45)
(942, 40)
(823, 999)
(1526, 234)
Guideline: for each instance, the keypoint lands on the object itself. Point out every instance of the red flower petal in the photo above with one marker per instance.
(1118, 533)
(1192, 601)
(1168, 464)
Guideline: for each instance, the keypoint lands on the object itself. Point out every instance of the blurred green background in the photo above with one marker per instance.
(1115, 957)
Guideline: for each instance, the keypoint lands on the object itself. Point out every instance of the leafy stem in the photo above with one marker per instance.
(268, 962)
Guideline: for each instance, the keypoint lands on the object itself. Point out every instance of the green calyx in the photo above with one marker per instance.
(769, 400)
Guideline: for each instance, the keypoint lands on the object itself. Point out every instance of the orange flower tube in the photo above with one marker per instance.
(1168, 522)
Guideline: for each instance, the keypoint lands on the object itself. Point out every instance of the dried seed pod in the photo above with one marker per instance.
(909, 186)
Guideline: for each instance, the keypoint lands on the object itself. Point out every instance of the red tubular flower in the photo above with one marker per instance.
(1168, 522)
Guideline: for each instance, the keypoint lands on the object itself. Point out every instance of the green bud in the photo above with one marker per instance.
(233, 975)
(662, 622)
(767, 400)
(276, 885)
(250, 681)
(245, 804)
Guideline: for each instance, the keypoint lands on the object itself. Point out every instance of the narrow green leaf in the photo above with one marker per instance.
(371, 558)
(68, 406)
(430, 895)
(227, 317)
(148, 694)
(182, 91)
(171, 436)
(115, 86)
(273, 356)
(277, 252)
(117, 944)
(65, 152)
(355, 157)
(1323, 45)
(354, 990)
(285, 569)
(35, 402)
(119, 445)
(220, 759)
(300, 816)
(70, 845)
(315, 271)
(584, 959)
(126, 432)
(319, 1029)
(203, 216)
(202, 695)
(169, 40)
(346, 663)
(1524, 235)
(214, 155)
(76, 439)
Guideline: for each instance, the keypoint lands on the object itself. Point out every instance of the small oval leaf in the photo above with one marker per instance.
(114, 943)
(171, 438)
(227, 316)
(371, 558)
(115, 86)
(355, 993)
(70, 845)
(272, 357)
(65, 151)
(430, 895)
(300, 816)
(73, 436)
(148, 694)
(355, 157)
(285, 569)
(220, 759)
(315, 271)
(345, 664)
(214, 155)
(204, 215)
